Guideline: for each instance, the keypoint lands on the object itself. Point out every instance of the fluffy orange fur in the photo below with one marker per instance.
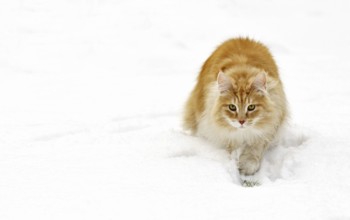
(238, 101)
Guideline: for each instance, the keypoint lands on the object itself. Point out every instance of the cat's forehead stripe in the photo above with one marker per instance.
(244, 99)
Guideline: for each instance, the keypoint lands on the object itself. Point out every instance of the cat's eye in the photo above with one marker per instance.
(232, 107)
(251, 107)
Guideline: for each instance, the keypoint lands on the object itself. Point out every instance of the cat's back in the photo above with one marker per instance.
(239, 51)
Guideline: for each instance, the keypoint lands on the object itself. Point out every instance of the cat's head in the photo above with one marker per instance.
(244, 100)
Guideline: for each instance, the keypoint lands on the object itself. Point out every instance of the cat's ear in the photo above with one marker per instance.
(259, 82)
(224, 82)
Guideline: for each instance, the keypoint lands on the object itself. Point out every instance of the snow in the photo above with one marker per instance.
(91, 96)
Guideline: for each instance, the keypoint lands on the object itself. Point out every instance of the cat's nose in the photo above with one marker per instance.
(241, 122)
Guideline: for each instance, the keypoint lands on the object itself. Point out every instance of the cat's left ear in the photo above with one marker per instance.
(259, 82)
(224, 82)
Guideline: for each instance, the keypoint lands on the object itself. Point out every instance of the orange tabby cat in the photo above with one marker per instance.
(238, 101)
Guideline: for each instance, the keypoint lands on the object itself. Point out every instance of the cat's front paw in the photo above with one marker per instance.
(248, 165)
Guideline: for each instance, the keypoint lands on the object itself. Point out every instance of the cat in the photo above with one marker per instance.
(238, 101)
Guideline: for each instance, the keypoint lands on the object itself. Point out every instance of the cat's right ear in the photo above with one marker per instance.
(224, 82)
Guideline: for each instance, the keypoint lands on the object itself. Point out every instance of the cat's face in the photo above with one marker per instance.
(243, 101)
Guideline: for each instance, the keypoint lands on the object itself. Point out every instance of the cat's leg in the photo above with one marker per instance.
(250, 159)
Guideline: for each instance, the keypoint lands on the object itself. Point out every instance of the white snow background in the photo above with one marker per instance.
(91, 94)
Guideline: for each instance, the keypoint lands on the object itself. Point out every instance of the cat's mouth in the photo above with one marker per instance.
(241, 123)
(242, 126)
(238, 124)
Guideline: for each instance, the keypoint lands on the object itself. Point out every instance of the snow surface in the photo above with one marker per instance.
(91, 94)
